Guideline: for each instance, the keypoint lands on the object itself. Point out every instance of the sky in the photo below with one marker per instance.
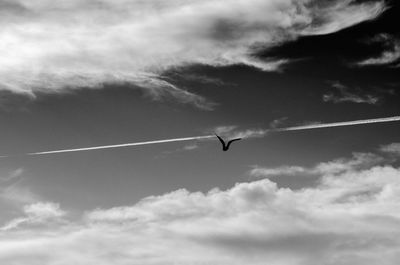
(84, 73)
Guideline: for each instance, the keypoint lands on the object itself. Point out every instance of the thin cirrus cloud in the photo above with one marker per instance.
(342, 94)
(349, 217)
(390, 54)
(48, 46)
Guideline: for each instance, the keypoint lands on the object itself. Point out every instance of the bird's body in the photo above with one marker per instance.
(225, 146)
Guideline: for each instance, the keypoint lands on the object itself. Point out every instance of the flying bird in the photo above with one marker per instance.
(225, 146)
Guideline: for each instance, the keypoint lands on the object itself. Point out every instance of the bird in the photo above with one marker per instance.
(225, 147)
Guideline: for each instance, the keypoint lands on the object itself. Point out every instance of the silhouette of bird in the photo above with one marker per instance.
(225, 146)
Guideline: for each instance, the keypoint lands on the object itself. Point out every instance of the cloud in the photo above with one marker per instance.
(37, 213)
(389, 55)
(185, 148)
(343, 95)
(278, 122)
(204, 79)
(393, 148)
(261, 172)
(50, 46)
(233, 132)
(13, 191)
(350, 217)
(357, 162)
(12, 175)
(190, 147)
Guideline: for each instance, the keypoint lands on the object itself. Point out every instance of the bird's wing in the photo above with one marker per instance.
(233, 140)
(220, 139)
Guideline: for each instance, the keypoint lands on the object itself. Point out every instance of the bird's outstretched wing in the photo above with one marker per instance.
(233, 140)
(221, 140)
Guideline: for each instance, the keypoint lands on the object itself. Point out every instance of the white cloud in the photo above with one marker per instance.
(37, 213)
(391, 53)
(261, 172)
(48, 46)
(358, 161)
(350, 217)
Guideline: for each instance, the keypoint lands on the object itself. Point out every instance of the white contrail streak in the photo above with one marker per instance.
(295, 128)
(338, 124)
(122, 145)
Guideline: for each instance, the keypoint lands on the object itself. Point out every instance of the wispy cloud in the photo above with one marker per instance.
(358, 161)
(390, 54)
(350, 217)
(12, 175)
(186, 148)
(343, 94)
(12, 189)
(37, 213)
(278, 122)
(234, 132)
(393, 148)
(200, 79)
(50, 46)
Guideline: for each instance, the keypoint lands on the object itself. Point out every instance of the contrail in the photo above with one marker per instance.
(337, 124)
(294, 128)
(121, 145)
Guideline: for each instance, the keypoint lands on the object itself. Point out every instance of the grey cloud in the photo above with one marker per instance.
(393, 148)
(13, 191)
(278, 122)
(343, 94)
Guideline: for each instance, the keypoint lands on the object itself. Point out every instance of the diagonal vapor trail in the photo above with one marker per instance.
(294, 128)
(338, 124)
(123, 145)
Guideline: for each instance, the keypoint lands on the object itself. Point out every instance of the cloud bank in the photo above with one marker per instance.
(350, 217)
(49, 46)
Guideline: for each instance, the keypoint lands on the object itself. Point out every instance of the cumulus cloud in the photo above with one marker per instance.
(350, 217)
(48, 46)
(390, 54)
(344, 95)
